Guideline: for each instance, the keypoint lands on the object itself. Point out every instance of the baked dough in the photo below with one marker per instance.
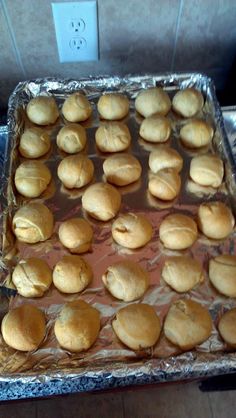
(75, 171)
(151, 101)
(32, 178)
(71, 138)
(182, 273)
(137, 326)
(165, 158)
(188, 102)
(76, 234)
(155, 129)
(34, 143)
(42, 110)
(24, 328)
(126, 280)
(196, 134)
(112, 137)
(32, 277)
(187, 324)
(207, 170)
(227, 327)
(33, 223)
(122, 169)
(215, 220)
(165, 184)
(72, 274)
(178, 231)
(113, 106)
(222, 274)
(132, 230)
(102, 201)
(77, 326)
(76, 108)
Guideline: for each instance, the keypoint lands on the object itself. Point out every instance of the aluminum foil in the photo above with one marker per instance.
(108, 357)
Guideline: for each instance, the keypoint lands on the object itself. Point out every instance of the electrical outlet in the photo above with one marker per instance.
(76, 30)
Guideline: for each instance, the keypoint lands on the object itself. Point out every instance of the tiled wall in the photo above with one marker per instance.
(136, 36)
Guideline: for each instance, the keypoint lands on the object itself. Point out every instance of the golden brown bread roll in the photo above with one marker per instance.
(42, 110)
(32, 178)
(76, 108)
(113, 106)
(34, 143)
(187, 324)
(152, 100)
(75, 171)
(24, 328)
(155, 128)
(122, 169)
(132, 230)
(165, 184)
(76, 234)
(222, 274)
(207, 170)
(188, 102)
(182, 273)
(196, 134)
(178, 231)
(71, 138)
(102, 201)
(215, 220)
(227, 327)
(72, 274)
(112, 137)
(165, 158)
(33, 223)
(77, 326)
(32, 277)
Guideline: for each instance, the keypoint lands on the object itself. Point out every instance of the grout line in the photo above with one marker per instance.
(181, 4)
(123, 404)
(210, 405)
(13, 38)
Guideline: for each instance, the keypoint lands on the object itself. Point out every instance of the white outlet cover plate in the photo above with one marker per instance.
(76, 29)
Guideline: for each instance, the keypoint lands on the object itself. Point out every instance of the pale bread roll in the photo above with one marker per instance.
(165, 158)
(32, 178)
(132, 230)
(227, 327)
(155, 129)
(215, 220)
(165, 184)
(75, 171)
(151, 101)
(126, 280)
(76, 108)
(34, 143)
(182, 273)
(222, 274)
(112, 137)
(207, 170)
(188, 102)
(196, 134)
(113, 106)
(137, 326)
(71, 138)
(178, 231)
(72, 274)
(32, 277)
(42, 110)
(77, 326)
(102, 201)
(122, 169)
(33, 223)
(76, 234)
(187, 324)
(24, 328)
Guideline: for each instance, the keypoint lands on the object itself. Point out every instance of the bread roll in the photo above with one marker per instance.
(32, 178)
(222, 274)
(207, 170)
(113, 137)
(76, 108)
(71, 138)
(137, 326)
(33, 223)
(196, 134)
(215, 220)
(182, 273)
(227, 327)
(126, 280)
(102, 201)
(178, 232)
(113, 106)
(77, 326)
(32, 277)
(42, 110)
(122, 169)
(24, 328)
(34, 143)
(188, 102)
(75, 171)
(155, 129)
(76, 234)
(72, 274)
(132, 230)
(151, 101)
(187, 324)
(165, 158)
(165, 184)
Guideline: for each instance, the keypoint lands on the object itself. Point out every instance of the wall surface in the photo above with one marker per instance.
(135, 36)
